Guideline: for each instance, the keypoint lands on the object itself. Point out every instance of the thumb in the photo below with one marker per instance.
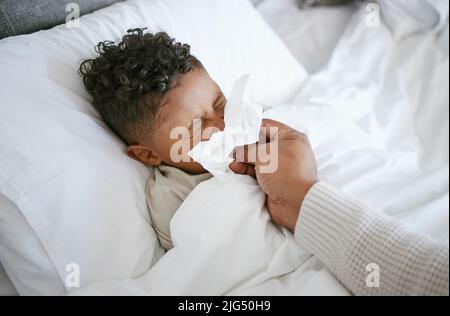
(243, 168)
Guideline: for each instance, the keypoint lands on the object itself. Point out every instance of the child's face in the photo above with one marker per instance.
(196, 100)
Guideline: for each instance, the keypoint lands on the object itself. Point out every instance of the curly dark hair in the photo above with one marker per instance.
(127, 80)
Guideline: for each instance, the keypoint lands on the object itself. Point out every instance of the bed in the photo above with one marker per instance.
(387, 144)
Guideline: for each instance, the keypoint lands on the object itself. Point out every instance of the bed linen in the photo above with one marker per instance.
(79, 201)
(378, 120)
(6, 287)
(29, 284)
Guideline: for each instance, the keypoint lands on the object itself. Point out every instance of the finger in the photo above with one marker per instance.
(243, 169)
(251, 171)
(258, 155)
(246, 154)
(272, 123)
(272, 130)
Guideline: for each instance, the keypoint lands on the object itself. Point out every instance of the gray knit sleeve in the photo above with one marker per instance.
(370, 253)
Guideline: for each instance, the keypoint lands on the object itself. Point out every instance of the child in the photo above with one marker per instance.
(145, 87)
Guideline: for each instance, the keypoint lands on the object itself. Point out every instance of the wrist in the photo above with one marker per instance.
(308, 188)
(295, 208)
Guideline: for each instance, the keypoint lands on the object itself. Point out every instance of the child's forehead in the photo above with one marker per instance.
(196, 85)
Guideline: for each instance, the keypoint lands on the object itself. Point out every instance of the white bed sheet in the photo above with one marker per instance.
(310, 33)
(6, 287)
(378, 119)
(102, 217)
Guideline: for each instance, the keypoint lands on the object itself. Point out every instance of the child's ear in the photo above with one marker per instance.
(143, 154)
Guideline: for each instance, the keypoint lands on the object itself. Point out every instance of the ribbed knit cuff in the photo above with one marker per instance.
(326, 223)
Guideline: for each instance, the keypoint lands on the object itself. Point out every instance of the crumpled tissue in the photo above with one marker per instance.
(242, 126)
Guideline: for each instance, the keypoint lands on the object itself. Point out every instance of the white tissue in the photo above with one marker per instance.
(242, 125)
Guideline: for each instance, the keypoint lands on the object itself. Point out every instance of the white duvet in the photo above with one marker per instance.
(378, 119)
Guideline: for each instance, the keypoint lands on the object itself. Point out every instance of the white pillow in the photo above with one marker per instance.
(82, 198)
(18, 243)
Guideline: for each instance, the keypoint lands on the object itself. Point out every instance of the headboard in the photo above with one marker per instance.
(29, 16)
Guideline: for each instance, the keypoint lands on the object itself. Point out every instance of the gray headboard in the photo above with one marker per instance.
(29, 16)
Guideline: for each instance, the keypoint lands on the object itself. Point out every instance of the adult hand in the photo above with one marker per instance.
(294, 174)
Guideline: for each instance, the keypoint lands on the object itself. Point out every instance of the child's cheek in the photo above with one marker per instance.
(179, 150)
